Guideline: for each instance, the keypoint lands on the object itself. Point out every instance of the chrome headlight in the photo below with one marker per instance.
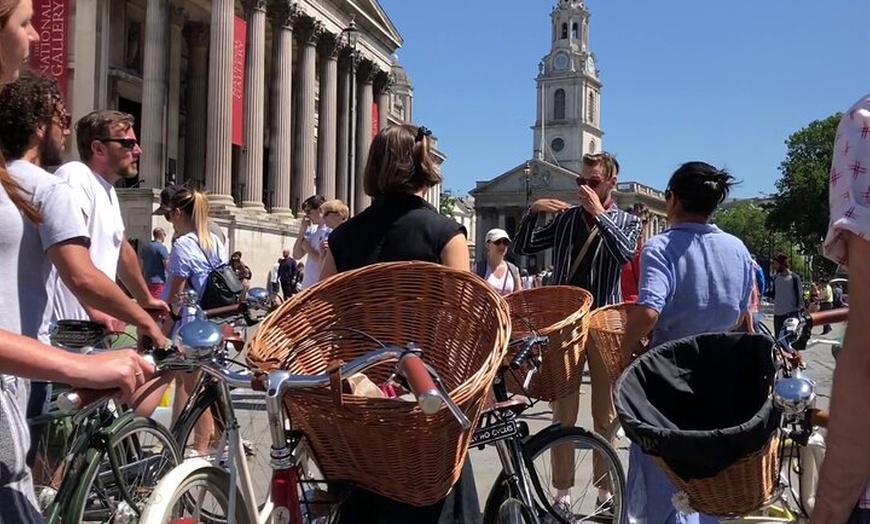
(258, 301)
(199, 339)
(794, 395)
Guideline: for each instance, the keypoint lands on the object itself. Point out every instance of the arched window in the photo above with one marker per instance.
(591, 146)
(564, 31)
(559, 105)
(590, 108)
(575, 34)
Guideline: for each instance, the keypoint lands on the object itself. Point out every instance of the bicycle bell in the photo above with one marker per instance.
(199, 339)
(258, 301)
(795, 394)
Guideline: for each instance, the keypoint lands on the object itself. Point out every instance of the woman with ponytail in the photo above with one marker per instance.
(196, 251)
(24, 358)
(694, 278)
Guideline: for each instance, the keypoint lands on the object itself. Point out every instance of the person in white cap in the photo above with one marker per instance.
(500, 274)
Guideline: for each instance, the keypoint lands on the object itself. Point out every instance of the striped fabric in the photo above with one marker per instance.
(618, 233)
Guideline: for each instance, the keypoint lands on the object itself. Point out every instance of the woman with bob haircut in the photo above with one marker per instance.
(400, 225)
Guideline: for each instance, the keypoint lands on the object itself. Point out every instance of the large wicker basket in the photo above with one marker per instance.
(739, 489)
(606, 328)
(389, 446)
(560, 313)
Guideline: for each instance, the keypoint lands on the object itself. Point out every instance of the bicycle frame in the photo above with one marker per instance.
(93, 431)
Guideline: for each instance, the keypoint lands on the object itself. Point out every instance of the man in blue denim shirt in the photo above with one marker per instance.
(695, 279)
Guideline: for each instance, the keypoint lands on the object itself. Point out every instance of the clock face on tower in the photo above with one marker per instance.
(590, 64)
(560, 62)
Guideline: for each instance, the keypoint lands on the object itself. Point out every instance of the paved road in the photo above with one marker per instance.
(820, 365)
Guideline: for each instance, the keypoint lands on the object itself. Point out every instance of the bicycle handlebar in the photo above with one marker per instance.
(278, 382)
(523, 354)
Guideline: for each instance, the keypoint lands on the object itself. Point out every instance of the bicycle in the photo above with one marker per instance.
(200, 344)
(802, 447)
(112, 457)
(511, 500)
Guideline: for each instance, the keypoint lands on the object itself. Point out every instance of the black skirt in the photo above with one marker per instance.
(459, 507)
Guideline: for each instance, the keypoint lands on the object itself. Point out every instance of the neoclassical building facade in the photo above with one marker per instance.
(261, 102)
(567, 126)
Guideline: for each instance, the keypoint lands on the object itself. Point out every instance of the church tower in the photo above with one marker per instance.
(569, 91)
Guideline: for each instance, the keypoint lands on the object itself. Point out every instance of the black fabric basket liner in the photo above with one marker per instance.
(700, 403)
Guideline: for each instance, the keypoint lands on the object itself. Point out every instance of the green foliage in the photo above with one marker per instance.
(800, 208)
(747, 221)
(448, 202)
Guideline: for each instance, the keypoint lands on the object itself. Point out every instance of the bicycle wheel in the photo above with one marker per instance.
(201, 494)
(121, 471)
(580, 503)
(249, 407)
(512, 511)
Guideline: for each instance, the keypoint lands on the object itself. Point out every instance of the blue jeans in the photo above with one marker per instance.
(650, 494)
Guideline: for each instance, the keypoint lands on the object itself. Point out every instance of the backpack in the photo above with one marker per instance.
(222, 285)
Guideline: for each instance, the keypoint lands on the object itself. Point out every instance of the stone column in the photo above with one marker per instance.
(343, 160)
(152, 163)
(84, 59)
(173, 101)
(327, 117)
(283, 14)
(365, 97)
(219, 139)
(501, 218)
(307, 32)
(382, 84)
(255, 95)
(196, 104)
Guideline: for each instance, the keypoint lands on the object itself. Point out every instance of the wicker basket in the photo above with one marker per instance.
(739, 489)
(606, 328)
(560, 313)
(389, 446)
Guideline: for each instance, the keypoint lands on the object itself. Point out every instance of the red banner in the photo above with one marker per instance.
(375, 124)
(240, 30)
(51, 54)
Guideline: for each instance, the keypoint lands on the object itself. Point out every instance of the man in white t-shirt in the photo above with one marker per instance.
(312, 232)
(109, 152)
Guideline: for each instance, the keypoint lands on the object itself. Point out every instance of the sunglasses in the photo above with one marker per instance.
(591, 182)
(502, 242)
(126, 143)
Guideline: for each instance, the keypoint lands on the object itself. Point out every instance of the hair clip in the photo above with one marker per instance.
(421, 132)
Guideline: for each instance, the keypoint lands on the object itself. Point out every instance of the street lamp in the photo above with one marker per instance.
(352, 34)
(527, 171)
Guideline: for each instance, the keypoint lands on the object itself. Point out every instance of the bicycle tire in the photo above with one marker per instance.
(513, 511)
(172, 488)
(260, 438)
(96, 455)
(535, 445)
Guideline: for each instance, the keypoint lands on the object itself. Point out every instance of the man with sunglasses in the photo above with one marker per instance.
(109, 152)
(591, 243)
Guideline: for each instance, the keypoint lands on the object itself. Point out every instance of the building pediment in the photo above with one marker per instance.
(542, 177)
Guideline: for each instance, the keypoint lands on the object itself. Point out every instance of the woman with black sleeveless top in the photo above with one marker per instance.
(400, 225)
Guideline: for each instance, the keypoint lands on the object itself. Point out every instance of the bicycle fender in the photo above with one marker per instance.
(167, 485)
(555, 428)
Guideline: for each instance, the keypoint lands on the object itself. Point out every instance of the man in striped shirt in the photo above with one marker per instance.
(591, 243)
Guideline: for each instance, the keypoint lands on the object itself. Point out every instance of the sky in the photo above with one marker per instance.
(725, 82)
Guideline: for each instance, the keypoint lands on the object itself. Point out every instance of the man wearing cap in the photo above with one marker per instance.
(164, 208)
(788, 295)
(109, 152)
(591, 243)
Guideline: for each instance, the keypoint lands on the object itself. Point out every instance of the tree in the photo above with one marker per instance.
(746, 220)
(800, 208)
(448, 203)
